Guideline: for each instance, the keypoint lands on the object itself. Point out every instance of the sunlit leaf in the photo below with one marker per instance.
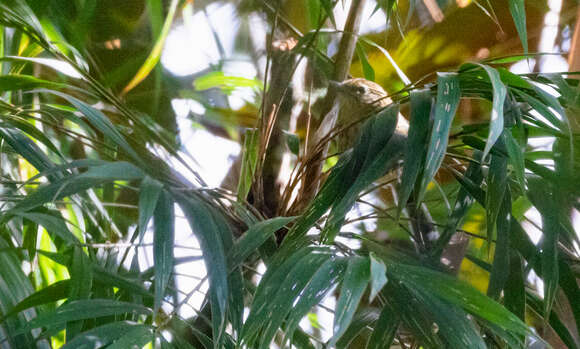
(58, 65)
(399, 71)
(218, 79)
(155, 54)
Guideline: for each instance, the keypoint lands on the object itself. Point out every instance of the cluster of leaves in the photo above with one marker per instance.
(55, 216)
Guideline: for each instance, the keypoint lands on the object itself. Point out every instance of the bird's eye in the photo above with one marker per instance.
(360, 90)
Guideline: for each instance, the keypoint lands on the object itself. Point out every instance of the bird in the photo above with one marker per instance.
(353, 101)
(357, 99)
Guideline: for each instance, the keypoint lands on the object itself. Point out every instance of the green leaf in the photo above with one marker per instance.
(544, 110)
(249, 161)
(328, 194)
(516, 158)
(355, 281)
(203, 225)
(417, 144)
(518, 11)
(74, 184)
(136, 337)
(378, 276)
(328, 6)
(325, 278)
(458, 293)
(49, 294)
(101, 336)
(399, 71)
(514, 291)
(26, 82)
(448, 94)
(288, 291)
(52, 224)
(86, 309)
(413, 315)
(148, 196)
(27, 149)
(56, 64)
(452, 324)
(163, 239)
(217, 79)
(155, 54)
(501, 257)
(269, 286)
(385, 329)
(543, 197)
(496, 187)
(235, 279)
(33, 132)
(254, 237)
(358, 327)
(376, 152)
(119, 170)
(102, 123)
(367, 68)
(293, 142)
(499, 94)
(81, 278)
(110, 279)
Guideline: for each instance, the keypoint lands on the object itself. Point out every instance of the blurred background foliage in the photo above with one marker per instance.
(151, 155)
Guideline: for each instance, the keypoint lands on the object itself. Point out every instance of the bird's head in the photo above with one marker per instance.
(360, 93)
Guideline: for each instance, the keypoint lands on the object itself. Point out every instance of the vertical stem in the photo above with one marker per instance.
(313, 171)
(348, 40)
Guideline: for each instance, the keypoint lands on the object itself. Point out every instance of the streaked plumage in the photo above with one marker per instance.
(357, 99)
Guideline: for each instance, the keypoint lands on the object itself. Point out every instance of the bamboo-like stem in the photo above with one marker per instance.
(311, 179)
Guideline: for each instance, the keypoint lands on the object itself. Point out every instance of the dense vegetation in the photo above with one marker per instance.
(432, 248)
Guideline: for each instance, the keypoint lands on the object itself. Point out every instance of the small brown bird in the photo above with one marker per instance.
(357, 99)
